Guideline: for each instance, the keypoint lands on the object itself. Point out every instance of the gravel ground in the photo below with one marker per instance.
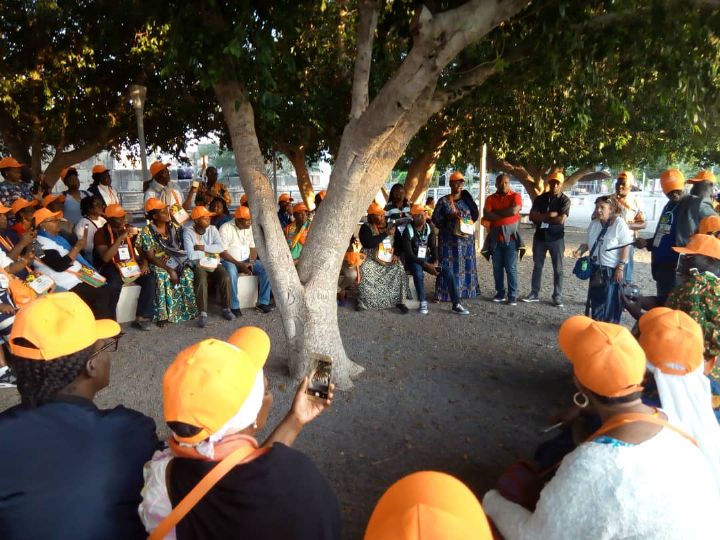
(465, 395)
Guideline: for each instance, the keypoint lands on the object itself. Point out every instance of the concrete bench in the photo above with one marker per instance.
(247, 291)
(127, 304)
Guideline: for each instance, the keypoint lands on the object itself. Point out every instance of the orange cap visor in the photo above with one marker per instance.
(157, 166)
(375, 210)
(154, 203)
(672, 180)
(99, 169)
(672, 340)
(48, 199)
(242, 212)
(51, 322)
(200, 212)
(114, 211)
(701, 244)
(709, 225)
(19, 204)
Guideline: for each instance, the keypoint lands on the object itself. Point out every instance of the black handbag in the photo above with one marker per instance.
(584, 267)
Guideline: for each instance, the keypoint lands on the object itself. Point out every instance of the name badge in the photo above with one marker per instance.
(422, 252)
(178, 214)
(544, 225)
(172, 263)
(663, 229)
(41, 283)
(385, 250)
(208, 262)
(123, 253)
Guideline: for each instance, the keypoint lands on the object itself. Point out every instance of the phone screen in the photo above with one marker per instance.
(196, 183)
(320, 376)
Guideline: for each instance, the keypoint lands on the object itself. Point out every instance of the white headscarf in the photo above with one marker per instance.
(245, 417)
(687, 400)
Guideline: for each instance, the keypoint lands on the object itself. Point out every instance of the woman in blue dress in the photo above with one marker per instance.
(454, 216)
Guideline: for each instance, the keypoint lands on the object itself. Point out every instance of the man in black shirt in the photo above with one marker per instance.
(72, 470)
(549, 212)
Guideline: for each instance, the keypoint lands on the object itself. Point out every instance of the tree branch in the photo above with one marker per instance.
(367, 23)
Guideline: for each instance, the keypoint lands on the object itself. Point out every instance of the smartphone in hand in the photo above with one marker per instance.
(320, 376)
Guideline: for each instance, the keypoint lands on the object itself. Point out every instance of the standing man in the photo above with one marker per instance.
(285, 214)
(161, 187)
(203, 246)
(212, 189)
(549, 212)
(240, 257)
(631, 212)
(502, 210)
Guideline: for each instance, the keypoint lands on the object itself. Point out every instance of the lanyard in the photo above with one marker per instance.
(131, 250)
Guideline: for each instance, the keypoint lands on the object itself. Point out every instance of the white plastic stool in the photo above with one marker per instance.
(247, 291)
(127, 304)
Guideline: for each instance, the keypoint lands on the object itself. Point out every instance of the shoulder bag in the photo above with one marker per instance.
(584, 266)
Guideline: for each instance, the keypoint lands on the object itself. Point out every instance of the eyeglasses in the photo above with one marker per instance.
(110, 346)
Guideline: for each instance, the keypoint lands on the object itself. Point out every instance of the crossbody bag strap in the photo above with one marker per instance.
(598, 240)
(238, 457)
(630, 418)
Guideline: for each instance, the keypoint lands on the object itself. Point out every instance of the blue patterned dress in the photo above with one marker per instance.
(458, 252)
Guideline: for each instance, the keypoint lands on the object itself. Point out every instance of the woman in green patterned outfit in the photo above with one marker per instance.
(162, 244)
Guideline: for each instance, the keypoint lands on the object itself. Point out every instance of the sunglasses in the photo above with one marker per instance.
(110, 346)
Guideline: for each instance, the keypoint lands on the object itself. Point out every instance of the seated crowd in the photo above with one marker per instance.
(638, 455)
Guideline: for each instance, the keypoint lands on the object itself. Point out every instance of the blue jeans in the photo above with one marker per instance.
(263, 282)
(504, 260)
(446, 272)
(630, 265)
(418, 275)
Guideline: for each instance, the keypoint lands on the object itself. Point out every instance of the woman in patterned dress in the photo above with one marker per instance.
(162, 244)
(458, 266)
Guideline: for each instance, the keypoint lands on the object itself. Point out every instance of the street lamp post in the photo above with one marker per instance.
(138, 93)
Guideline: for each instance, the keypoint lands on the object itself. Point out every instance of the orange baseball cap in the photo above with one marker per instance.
(322, 194)
(244, 198)
(628, 176)
(300, 207)
(417, 209)
(153, 203)
(66, 170)
(702, 176)
(99, 169)
(457, 176)
(702, 244)
(375, 209)
(207, 383)
(285, 197)
(114, 211)
(672, 340)
(709, 225)
(4, 209)
(242, 212)
(556, 176)
(43, 214)
(10, 163)
(158, 166)
(428, 505)
(672, 180)
(201, 212)
(606, 358)
(19, 204)
(51, 322)
(48, 199)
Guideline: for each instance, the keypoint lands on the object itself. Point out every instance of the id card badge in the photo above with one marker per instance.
(41, 284)
(208, 262)
(123, 253)
(544, 225)
(385, 250)
(662, 230)
(172, 263)
(422, 251)
(179, 215)
(467, 227)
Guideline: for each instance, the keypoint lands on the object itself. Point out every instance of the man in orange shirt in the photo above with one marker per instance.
(502, 210)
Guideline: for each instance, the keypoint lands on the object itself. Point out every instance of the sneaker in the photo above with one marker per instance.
(202, 321)
(7, 378)
(423, 310)
(457, 308)
(403, 308)
(498, 298)
(360, 306)
(558, 303)
(263, 308)
(237, 312)
(144, 325)
(512, 302)
(228, 315)
(532, 297)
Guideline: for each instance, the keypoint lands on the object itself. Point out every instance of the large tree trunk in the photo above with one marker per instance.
(374, 139)
(422, 167)
(308, 308)
(296, 155)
